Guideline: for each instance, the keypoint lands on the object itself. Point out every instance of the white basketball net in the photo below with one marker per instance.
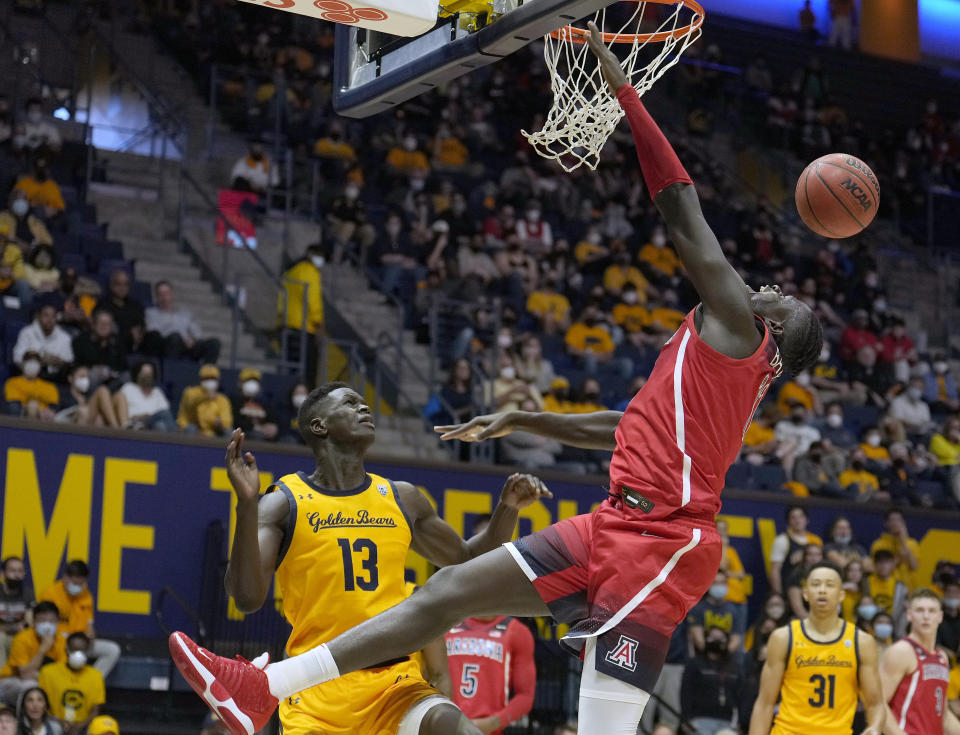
(585, 112)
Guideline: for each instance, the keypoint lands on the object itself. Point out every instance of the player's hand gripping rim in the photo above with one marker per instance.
(479, 428)
(609, 63)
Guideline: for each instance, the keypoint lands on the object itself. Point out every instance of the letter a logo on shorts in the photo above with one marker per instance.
(624, 654)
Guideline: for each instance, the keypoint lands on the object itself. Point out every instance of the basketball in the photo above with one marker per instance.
(837, 195)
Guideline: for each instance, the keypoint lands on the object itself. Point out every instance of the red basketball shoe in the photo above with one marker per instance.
(235, 689)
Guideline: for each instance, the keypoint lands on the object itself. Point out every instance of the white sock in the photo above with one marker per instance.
(308, 669)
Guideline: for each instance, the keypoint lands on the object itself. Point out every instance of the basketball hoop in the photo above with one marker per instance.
(585, 112)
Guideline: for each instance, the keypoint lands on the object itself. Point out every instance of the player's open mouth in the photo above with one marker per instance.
(367, 421)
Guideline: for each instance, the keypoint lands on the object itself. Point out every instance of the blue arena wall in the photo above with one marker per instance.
(138, 509)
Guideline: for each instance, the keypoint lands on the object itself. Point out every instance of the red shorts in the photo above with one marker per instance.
(629, 583)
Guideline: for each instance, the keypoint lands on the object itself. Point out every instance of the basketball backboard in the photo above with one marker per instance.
(373, 71)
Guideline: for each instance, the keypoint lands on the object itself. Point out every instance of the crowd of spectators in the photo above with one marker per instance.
(555, 290)
(47, 644)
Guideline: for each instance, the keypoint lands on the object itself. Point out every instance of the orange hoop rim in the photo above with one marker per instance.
(573, 34)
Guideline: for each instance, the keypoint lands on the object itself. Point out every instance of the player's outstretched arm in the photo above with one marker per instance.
(435, 539)
(894, 665)
(594, 430)
(724, 294)
(258, 533)
(871, 691)
(770, 680)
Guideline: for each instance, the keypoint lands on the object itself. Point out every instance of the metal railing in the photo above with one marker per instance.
(231, 283)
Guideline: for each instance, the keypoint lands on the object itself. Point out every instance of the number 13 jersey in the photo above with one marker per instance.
(820, 684)
(342, 558)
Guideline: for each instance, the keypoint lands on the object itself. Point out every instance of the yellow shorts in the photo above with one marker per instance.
(372, 702)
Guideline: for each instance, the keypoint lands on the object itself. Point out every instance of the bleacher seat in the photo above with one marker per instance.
(738, 476)
(861, 417)
(10, 331)
(768, 477)
(276, 387)
(142, 292)
(73, 260)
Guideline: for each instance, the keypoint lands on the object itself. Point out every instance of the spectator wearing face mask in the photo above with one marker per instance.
(589, 398)
(948, 634)
(878, 456)
(590, 253)
(812, 554)
(787, 550)
(300, 306)
(773, 614)
(141, 404)
(535, 234)
(660, 257)
(859, 483)
(84, 405)
(71, 594)
(254, 171)
(253, 412)
(19, 224)
(629, 313)
(406, 159)
(883, 627)
(940, 389)
(31, 648)
(288, 427)
(29, 395)
(911, 410)
(797, 429)
(16, 599)
(44, 337)
(509, 390)
(38, 129)
(841, 548)
(75, 688)
(714, 611)
(760, 444)
(203, 408)
(622, 272)
(799, 390)
(833, 429)
(711, 686)
(43, 193)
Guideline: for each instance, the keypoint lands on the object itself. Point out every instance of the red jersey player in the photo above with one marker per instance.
(624, 576)
(492, 670)
(915, 675)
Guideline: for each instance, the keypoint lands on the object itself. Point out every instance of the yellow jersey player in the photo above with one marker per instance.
(818, 666)
(337, 540)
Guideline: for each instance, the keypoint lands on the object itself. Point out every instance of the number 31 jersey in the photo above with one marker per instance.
(342, 557)
(820, 684)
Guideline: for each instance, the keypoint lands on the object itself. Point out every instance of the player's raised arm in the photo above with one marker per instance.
(871, 691)
(725, 296)
(770, 680)
(594, 430)
(258, 533)
(435, 539)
